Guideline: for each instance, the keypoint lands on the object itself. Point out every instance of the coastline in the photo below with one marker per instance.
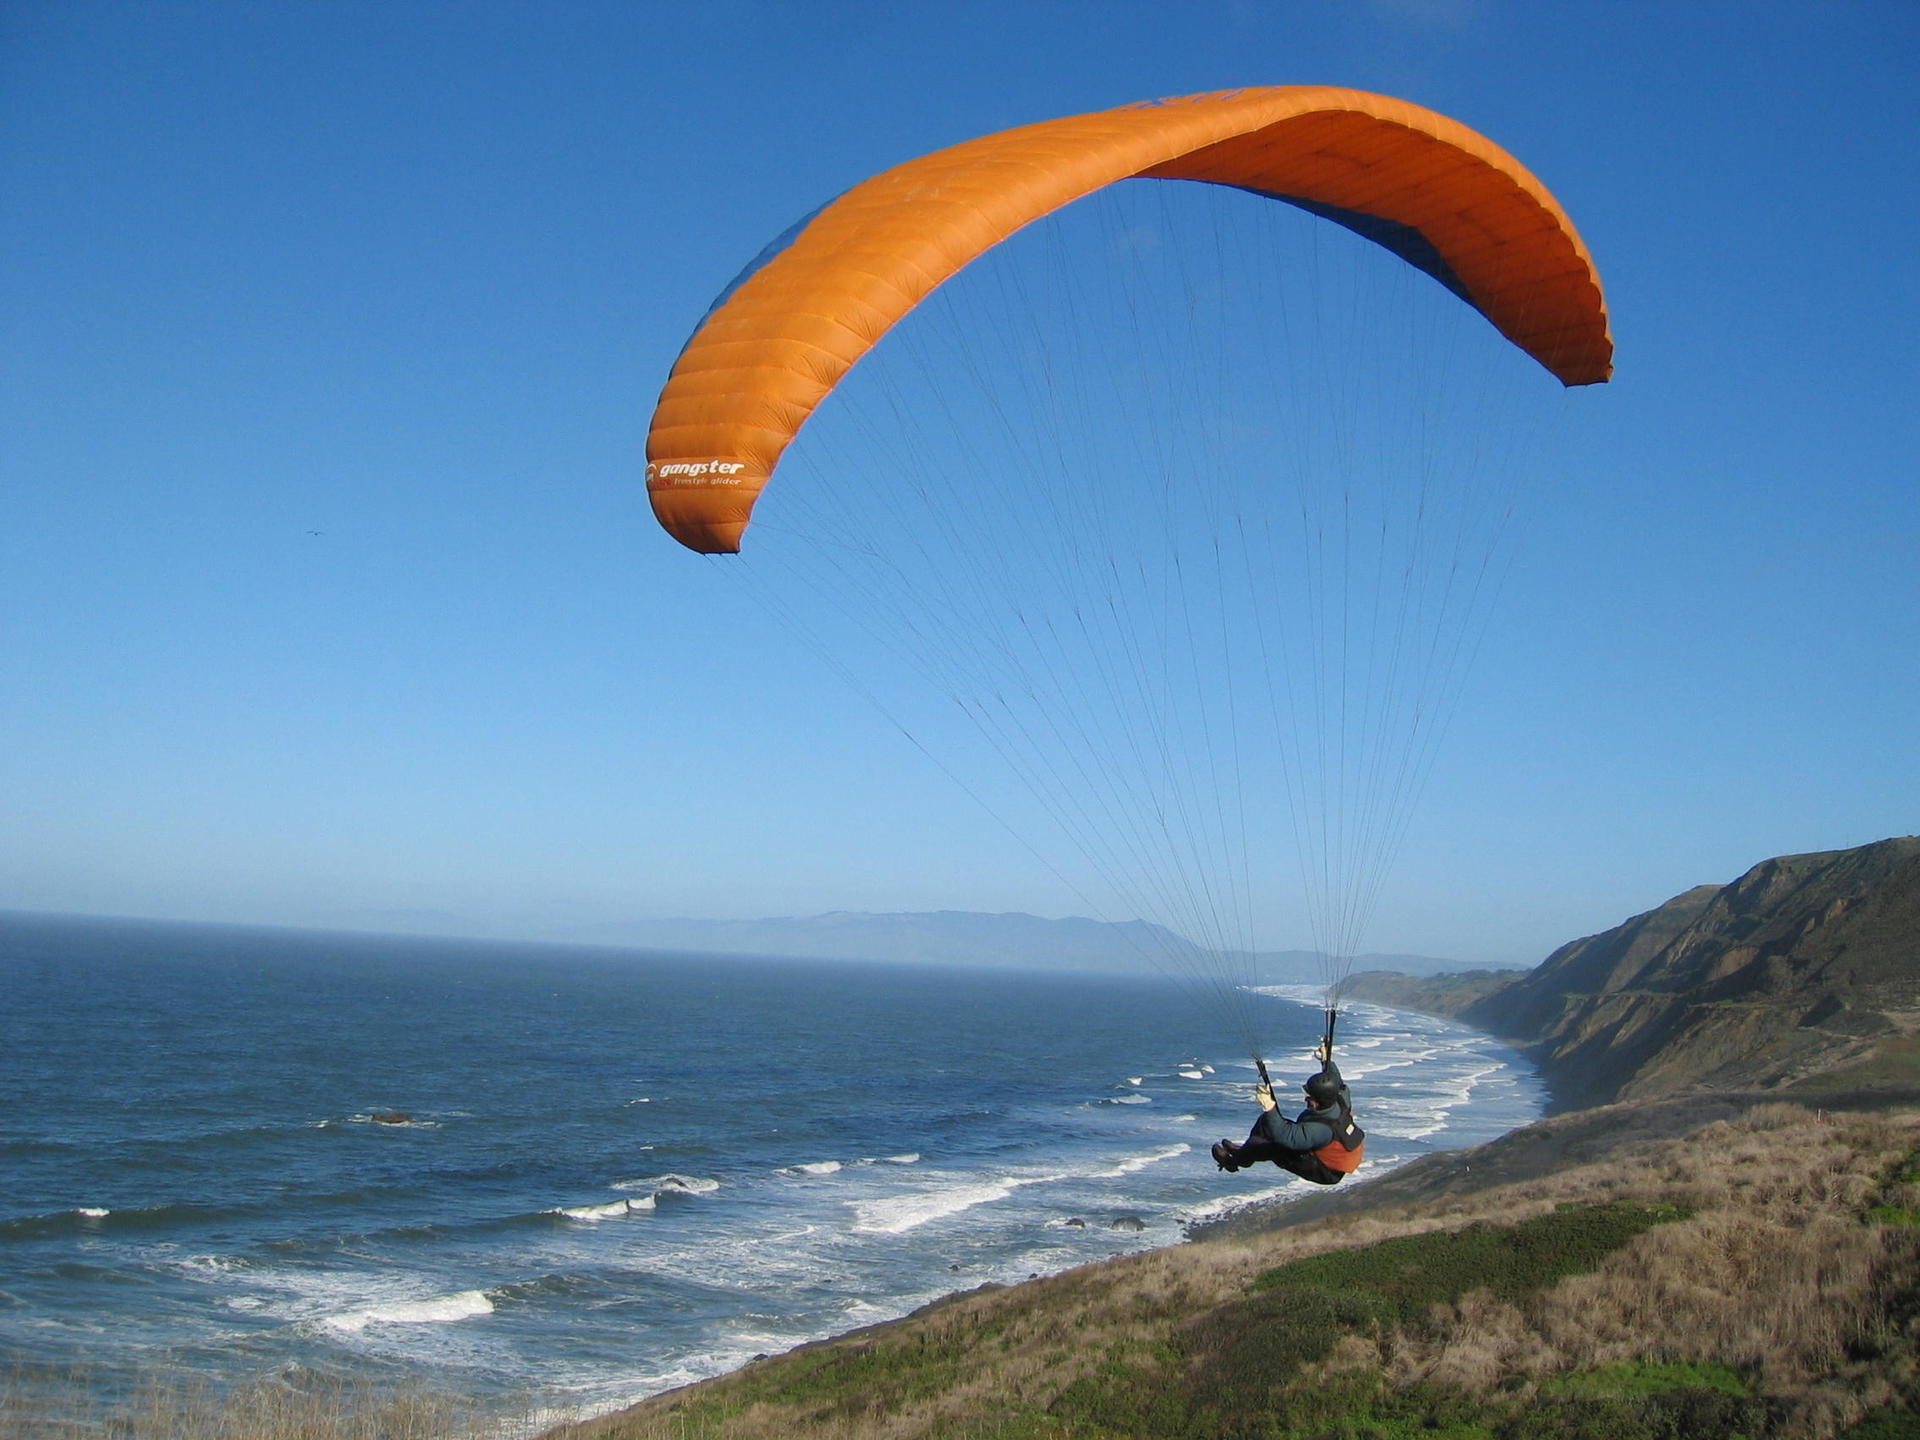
(1301, 1204)
(1767, 1171)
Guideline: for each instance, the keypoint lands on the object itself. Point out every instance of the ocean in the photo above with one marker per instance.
(589, 1175)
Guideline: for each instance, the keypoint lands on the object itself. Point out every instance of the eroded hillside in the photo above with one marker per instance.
(1807, 966)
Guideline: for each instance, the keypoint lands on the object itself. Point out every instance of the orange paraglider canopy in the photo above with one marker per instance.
(1441, 196)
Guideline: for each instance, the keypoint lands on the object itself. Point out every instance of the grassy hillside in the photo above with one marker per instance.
(1756, 1274)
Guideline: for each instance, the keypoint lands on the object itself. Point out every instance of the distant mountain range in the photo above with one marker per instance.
(966, 937)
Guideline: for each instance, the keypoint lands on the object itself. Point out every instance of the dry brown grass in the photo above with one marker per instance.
(1776, 1275)
(44, 1405)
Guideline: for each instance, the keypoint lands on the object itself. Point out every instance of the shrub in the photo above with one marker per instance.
(1889, 1424)
(1403, 1277)
(1892, 1215)
(1689, 1414)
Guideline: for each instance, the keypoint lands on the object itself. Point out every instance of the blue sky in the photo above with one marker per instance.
(411, 276)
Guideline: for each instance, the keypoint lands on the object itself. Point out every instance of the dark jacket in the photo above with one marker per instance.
(1311, 1128)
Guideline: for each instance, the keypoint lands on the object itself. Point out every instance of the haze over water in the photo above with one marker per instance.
(618, 1171)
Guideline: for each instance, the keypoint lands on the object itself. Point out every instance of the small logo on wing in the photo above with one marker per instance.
(696, 472)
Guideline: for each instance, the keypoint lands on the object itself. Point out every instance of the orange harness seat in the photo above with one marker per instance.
(1347, 1148)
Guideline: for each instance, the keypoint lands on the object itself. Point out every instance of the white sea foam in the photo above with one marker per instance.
(865, 1312)
(762, 1340)
(1462, 1087)
(93, 1212)
(1133, 1079)
(912, 1157)
(671, 1185)
(1392, 1060)
(1192, 1075)
(687, 1185)
(817, 1167)
(220, 1267)
(297, 1296)
(1313, 995)
(1140, 1162)
(438, 1310)
(683, 1374)
(1417, 1117)
(1128, 1100)
(403, 1122)
(611, 1211)
(899, 1213)
(1227, 1204)
(1396, 1122)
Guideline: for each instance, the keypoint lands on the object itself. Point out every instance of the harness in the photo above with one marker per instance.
(1347, 1148)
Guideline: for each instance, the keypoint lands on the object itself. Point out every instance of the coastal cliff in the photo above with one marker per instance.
(1801, 975)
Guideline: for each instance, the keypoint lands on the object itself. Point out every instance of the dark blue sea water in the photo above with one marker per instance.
(621, 1171)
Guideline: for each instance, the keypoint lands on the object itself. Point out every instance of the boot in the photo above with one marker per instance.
(1226, 1156)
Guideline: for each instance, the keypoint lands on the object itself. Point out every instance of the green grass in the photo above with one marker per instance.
(1234, 1371)
(1648, 1379)
(868, 1376)
(1887, 1425)
(1439, 1413)
(1401, 1278)
(1895, 1061)
(1685, 1414)
(1897, 1187)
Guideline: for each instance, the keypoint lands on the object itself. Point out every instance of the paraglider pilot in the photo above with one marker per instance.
(1321, 1144)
